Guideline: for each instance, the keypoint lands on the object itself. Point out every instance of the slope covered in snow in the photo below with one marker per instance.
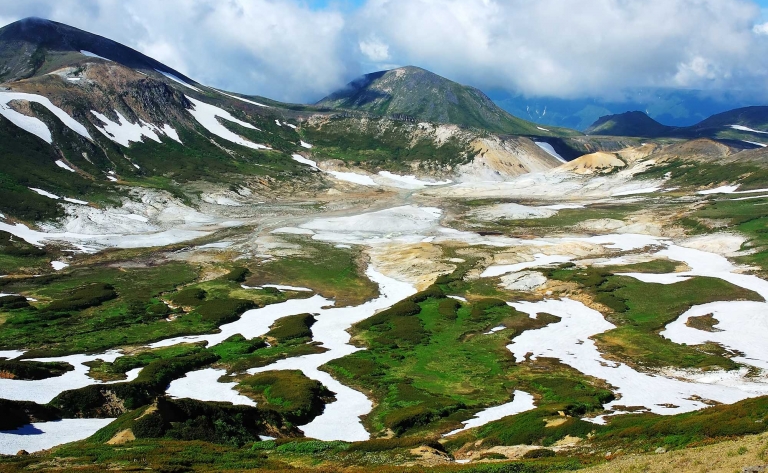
(35, 125)
(207, 115)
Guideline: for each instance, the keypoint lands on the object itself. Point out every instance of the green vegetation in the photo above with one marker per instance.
(686, 173)
(291, 328)
(31, 370)
(19, 413)
(425, 368)
(332, 272)
(100, 400)
(117, 369)
(100, 307)
(377, 144)
(290, 393)
(187, 419)
(19, 256)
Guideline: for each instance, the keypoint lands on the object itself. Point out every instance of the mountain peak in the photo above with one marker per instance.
(412, 92)
(27, 44)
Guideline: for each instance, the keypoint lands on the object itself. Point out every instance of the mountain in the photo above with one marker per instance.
(34, 46)
(628, 124)
(749, 117)
(673, 107)
(414, 93)
(741, 127)
(84, 118)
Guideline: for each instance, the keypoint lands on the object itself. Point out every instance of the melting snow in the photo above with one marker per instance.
(301, 159)
(44, 390)
(59, 265)
(643, 190)
(176, 79)
(244, 100)
(34, 125)
(45, 435)
(124, 132)
(569, 340)
(744, 128)
(730, 190)
(306, 145)
(63, 165)
(44, 193)
(549, 149)
(409, 182)
(522, 402)
(90, 54)
(206, 115)
(203, 385)
(762, 145)
(341, 419)
(171, 133)
(361, 179)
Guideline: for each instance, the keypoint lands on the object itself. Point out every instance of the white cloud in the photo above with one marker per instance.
(375, 50)
(572, 48)
(761, 28)
(278, 48)
(567, 48)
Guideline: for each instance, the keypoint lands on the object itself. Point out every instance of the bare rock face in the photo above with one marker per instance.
(754, 469)
(22, 453)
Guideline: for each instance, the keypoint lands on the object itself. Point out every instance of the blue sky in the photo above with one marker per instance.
(300, 50)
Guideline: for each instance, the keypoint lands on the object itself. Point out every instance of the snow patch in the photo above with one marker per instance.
(245, 100)
(59, 265)
(203, 385)
(744, 128)
(522, 402)
(549, 149)
(45, 435)
(63, 165)
(409, 182)
(124, 131)
(34, 125)
(642, 190)
(44, 193)
(178, 80)
(569, 340)
(206, 115)
(94, 55)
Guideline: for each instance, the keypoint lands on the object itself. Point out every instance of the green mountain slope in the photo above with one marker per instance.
(417, 94)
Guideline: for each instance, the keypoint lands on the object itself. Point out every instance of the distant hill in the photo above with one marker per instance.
(673, 107)
(629, 124)
(742, 127)
(412, 92)
(749, 117)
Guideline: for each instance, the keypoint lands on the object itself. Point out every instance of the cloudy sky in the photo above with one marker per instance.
(299, 50)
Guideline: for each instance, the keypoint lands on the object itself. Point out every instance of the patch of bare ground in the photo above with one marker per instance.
(725, 457)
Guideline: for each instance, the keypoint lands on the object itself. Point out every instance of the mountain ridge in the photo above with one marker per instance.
(411, 92)
(35, 36)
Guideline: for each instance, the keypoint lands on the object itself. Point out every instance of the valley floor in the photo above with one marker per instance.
(554, 320)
